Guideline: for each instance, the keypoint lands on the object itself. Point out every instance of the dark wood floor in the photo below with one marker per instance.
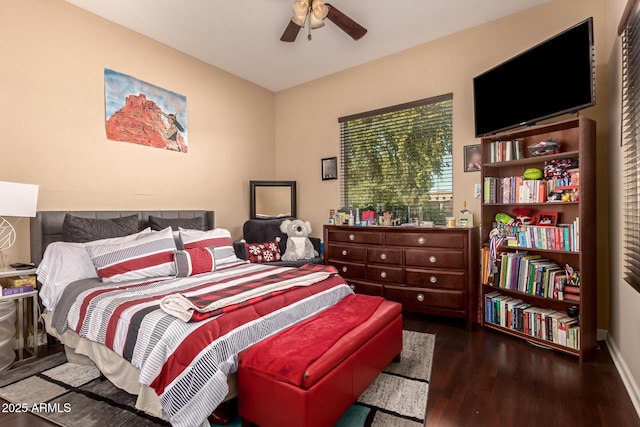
(484, 378)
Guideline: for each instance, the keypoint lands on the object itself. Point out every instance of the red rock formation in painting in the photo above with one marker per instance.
(140, 122)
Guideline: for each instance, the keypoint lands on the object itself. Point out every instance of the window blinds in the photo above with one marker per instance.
(631, 148)
(398, 160)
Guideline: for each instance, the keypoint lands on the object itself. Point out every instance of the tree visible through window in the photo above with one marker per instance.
(398, 160)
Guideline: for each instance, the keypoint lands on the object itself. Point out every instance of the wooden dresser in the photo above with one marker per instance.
(431, 271)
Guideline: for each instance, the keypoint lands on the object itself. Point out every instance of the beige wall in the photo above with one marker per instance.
(624, 325)
(53, 104)
(306, 116)
(52, 86)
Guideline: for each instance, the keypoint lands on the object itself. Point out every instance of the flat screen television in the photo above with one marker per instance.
(550, 79)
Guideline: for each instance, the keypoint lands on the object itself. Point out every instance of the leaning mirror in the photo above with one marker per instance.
(272, 199)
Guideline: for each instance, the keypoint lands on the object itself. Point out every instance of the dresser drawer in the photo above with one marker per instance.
(365, 288)
(350, 270)
(355, 236)
(384, 274)
(451, 300)
(434, 258)
(435, 279)
(384, 255)
(346, 252)
(426, 239)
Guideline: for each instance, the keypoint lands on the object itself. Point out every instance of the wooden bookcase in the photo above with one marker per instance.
(577, 140)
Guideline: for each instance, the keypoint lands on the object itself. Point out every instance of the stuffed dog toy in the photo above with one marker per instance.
(298, 244)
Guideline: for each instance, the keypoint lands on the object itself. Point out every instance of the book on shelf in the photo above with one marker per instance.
(530, 274)
(514, 189)
(542, 323)
(563, 237)
(17, 290)
(504, 151)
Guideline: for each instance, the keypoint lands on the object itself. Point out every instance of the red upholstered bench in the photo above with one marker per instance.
(331, 384)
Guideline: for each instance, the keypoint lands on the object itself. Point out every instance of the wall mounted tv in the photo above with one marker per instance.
(550, 79)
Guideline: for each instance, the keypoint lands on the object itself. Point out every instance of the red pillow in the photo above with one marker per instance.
(190, 262)
(263, 252)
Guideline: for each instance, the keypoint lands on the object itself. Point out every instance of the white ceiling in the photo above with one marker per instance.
(243, 37)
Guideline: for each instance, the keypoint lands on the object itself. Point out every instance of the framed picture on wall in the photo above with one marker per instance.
(329, 168)
(472, 158)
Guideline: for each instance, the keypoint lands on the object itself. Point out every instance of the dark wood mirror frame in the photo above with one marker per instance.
(253, 185)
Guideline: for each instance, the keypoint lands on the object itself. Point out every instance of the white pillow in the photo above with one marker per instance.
(62, 263)
(65, 262)
(219, 238)
(148, 256)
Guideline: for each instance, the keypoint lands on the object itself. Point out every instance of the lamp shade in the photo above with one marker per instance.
(18, 199)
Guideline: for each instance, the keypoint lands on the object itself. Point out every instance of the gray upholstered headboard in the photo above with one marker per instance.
(46, 227)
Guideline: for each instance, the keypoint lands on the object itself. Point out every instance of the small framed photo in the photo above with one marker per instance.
(547, 219)
(472, 158)
(329, 168)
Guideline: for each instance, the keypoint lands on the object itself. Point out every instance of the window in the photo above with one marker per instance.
(631, 148)
(398, 160)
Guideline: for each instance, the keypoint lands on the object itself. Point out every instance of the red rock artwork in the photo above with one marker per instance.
(141, 120)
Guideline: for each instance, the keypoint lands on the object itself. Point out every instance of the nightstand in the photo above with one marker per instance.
(22, 300)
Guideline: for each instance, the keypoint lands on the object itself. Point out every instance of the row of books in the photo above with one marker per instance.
(554, 184)
(533, 275)
(504, 151)
(514, 189)
(565, 237)
(543, 323)
(16, 290)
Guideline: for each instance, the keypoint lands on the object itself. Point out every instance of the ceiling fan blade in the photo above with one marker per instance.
(291, 32)
(346, 24)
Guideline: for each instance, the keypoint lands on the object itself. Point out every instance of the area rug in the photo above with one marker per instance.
(78, 396)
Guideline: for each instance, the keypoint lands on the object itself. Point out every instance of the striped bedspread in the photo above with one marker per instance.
(187, 363)
(230, 294)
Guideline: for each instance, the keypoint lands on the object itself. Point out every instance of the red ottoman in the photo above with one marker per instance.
(331, 384)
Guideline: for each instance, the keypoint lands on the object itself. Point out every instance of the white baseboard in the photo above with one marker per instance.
(629, 382)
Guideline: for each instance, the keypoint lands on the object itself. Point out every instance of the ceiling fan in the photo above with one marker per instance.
(315, 11)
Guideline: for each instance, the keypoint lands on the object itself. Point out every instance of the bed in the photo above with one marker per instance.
(163, 338)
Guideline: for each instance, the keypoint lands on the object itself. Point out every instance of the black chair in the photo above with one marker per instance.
(266, 230)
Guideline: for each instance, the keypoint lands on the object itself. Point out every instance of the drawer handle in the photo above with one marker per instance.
(433, 279)
(353, 287)
(383, 274)
(352, 237)
(421, 240)
(344, 269)
(383, 256)
(344, 252)
(432, 259)
(420, 297)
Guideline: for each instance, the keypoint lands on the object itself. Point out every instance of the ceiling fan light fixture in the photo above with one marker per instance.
(319, 10)
(300, 7)
(299, 19)
(315, 21)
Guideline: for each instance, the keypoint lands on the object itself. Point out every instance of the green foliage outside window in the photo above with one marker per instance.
(400, 161)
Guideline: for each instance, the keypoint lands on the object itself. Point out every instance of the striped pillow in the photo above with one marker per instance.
(195, 261)
(151, 255)
(218, 238)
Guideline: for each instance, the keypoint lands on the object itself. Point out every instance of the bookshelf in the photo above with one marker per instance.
(535, 313)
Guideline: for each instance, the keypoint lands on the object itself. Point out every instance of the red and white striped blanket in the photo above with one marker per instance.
(187, 363)
(224, 296)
